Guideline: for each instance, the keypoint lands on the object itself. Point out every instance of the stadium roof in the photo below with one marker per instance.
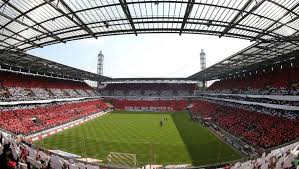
(31, 24)
(24, 25)
(256, 56)
(10, 60)
(149, 80)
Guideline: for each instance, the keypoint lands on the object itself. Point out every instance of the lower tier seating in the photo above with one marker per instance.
(38, 118)
(17, 154)
(259, 129)
(176, 105)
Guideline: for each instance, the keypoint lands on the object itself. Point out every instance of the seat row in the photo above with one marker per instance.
(176, 105)
(259, 129)
(37, 118)
(278, 82)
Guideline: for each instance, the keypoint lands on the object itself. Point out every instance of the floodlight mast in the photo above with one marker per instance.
(100, 65)
(203, 64)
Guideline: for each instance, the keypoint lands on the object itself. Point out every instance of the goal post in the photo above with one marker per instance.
(122, 159)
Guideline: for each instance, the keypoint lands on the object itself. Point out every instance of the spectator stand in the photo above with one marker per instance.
(46, 133)
(274, 106)
(13, 103)
(225, 136)
(16, 86)
(24, 154)
(32, 118)
(149, 87)
(149, 105)
(231, 119)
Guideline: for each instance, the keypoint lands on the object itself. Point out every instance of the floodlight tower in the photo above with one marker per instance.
(100, 65)
(203, 64)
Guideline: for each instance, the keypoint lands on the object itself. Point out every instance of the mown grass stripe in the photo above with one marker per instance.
(178, 141)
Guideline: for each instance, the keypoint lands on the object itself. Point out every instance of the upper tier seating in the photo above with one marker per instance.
(279, 82)
(31, 120)
(150, 89)
(8, 79)
(20, 87)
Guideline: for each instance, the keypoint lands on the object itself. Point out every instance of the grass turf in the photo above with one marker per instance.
(179, 141)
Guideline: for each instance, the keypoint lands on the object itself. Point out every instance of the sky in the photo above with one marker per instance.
(145, 55)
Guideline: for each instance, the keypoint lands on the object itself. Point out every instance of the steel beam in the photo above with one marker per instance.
(22, 41)
(283, 7)
(5, 1)
(81, 24)
(48, 34)
(234, 22)
(187, 14)
(278, 20)
(22, 14)
(124, 6)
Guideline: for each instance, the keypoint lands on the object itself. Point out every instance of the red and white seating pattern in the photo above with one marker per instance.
(27, 121)
(24, 157)
(279, 82)
(259, 129)
(150, 89)
(175, 105)
(21, 87)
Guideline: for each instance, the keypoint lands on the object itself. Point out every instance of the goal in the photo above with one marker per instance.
(122, 159)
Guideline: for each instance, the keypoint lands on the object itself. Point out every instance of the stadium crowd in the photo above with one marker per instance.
(275, 82)
(21, 87)
(149, 89)
(290, 101)
(34, 118)
(257, 128)
(169, 105)
(15, 153)
(282, 158)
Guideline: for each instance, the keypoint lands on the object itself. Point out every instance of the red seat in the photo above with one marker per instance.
(19, 121)
(259, 129)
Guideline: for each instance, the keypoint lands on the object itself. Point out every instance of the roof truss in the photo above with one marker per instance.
(33, 24)
(23, 61)
(251, 58)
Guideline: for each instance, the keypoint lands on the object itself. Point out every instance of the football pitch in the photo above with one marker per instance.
(178, 141)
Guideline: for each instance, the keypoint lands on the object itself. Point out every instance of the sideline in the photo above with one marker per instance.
(46, 133)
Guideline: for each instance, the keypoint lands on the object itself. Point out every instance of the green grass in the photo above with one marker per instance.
(179, 141)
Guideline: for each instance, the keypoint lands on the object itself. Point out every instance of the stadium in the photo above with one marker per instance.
(241, 112)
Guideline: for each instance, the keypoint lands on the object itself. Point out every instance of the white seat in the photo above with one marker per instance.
(55, 162)
(22, 165)
(35, 163)
(1, 149)
(91, 167)
(81, 166)
(32, 152)
(15, 153)
(73, 166)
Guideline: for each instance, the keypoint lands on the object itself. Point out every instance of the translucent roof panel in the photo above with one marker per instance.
(256, 56)
(36, 23)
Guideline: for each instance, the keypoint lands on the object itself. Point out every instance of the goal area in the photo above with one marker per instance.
(126, 159)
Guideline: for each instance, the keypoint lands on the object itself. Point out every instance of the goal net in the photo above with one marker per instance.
(121, 159)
